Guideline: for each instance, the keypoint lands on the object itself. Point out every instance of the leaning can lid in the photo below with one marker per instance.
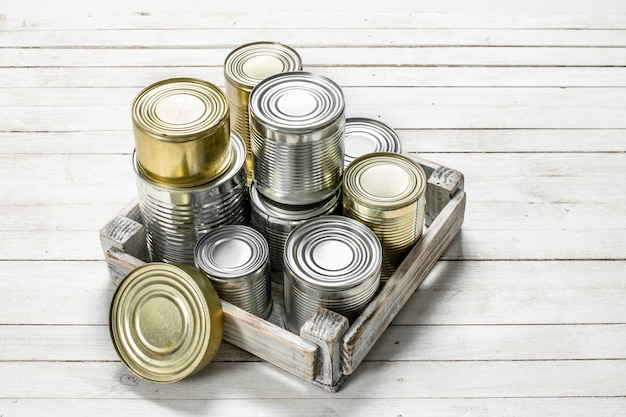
(363, 136)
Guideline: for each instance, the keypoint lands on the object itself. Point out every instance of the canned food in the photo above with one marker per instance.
(385, 191)
(182, 131)
(166, 321)
(176, 217)
(297, 123)
(275, 221)
(332, 262)
(244, 68)
(365, 136)
(236, 260)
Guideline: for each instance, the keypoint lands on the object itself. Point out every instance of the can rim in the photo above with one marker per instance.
(380, 135)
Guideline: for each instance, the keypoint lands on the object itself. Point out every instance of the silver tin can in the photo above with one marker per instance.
(332, 262)
(365, 136)
(297, 123)
(176, 217)
(235, 258)
(275, 221)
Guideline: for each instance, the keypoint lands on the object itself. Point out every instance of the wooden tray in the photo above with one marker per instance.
(328, 348)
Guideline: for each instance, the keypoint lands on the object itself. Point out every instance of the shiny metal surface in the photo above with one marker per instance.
(236, 260)
(297, 122)
(363, 136)
(166, 321)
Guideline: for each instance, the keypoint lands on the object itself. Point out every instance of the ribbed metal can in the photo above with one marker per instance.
(182, 131)
(332, 262)
(166, 321)
(385, 191)
(365, 136)
(275, 221)
(236, 260)
(244, 68)
(297, 123)
(177, 217)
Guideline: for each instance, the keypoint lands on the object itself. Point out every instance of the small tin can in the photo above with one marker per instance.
(166, 321)
(297, 123)
(365, 136)
(385, 191)
(176, 217)
(244, 68)
(182, 131)
(235, 258)
(275, 221)
(332, 262)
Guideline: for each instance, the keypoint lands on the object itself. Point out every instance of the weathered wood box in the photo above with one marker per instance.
(329, 348)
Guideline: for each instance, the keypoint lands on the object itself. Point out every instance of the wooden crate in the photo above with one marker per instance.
(329, 348)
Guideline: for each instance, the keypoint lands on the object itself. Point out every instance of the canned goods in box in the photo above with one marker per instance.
(333, 262)
(365, 136)
(182, 131)
(297, 122)
(236, 260)
(166, 321)
(385, 191)
(244, 68)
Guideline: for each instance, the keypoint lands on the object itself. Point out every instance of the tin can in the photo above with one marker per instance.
(365, 136)
(166, 321)
(244, 68)
(385, 191)
(297, 123)
(275, 221)
(235, 258)
(176, 217)
(182, 131)
(332, 262)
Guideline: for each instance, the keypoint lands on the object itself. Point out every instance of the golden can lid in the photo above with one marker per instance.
(166, 321)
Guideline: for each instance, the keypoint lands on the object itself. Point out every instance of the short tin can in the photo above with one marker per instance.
(176, 217)
(166, 321)
(275, 221)
(244, 68)
(385, 191)
(297, 124)
(235, 258)
(332, 262)
(182, 131)
(365, 136)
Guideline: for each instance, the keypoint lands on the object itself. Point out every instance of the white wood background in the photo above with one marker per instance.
(524, 316)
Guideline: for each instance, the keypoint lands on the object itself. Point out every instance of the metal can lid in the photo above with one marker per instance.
(363, 136)
(166, 321)
(251, 63)
(180, 109)
(384, 180)
(297, 102)
(231, 252)
(333, 253)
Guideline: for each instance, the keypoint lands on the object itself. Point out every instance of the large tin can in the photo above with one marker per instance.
(166, 321)
(236, 260)
(275, 221)
(332, 262)
(182, 131)
(176, 217)
(365, 136)
(385, 191)
(244, 68)
(297, 123)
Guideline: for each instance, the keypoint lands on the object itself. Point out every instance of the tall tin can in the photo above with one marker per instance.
(332, 262)
(297, 123)
(365, 136)
(235, 258)
(385, 191)
(176, 217)
(244, 68)
(182, 131)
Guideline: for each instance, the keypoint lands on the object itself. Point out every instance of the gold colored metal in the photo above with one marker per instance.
(182, 131)
(166, 321)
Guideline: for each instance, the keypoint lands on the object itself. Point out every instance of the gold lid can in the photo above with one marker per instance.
(166, 321)
(182, 131)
